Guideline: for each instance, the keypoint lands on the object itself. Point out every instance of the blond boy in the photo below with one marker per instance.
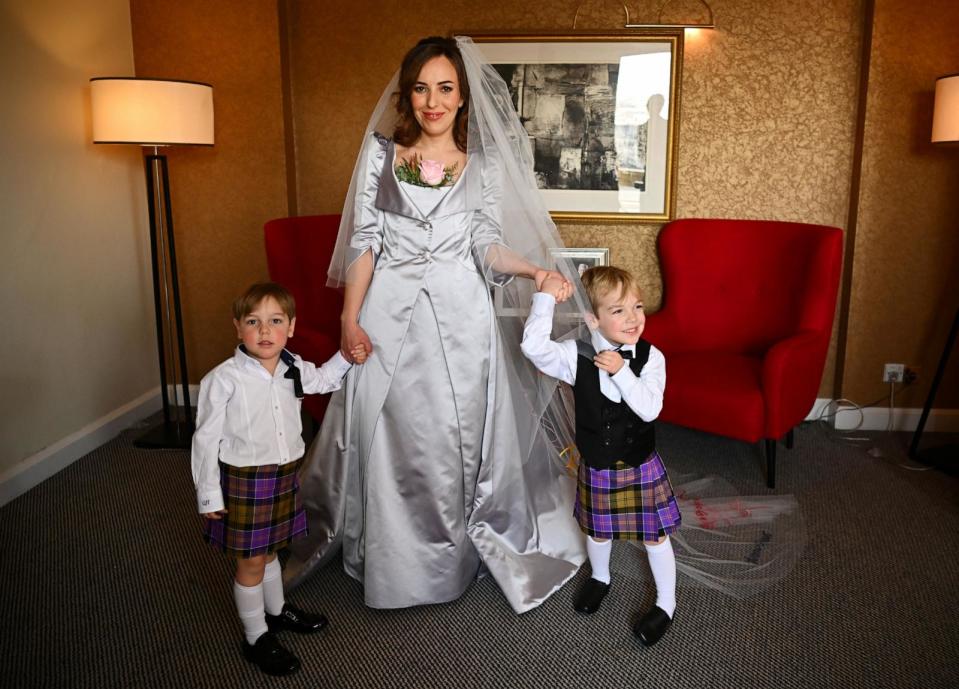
(618, 379)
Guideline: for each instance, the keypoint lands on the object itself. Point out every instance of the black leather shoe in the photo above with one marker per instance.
(590, 596)
(652, 626)
(296, 620)
(270, 656)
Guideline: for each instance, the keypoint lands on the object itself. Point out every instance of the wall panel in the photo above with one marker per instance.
(222, 195)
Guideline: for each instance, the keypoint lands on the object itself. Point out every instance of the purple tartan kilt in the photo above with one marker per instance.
(628, 503)
(264, 510)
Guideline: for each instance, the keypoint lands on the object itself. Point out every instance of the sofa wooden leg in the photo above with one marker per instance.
(789, 439)
(771, 462)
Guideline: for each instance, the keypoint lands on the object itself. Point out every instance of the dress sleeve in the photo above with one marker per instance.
(368, 221)
(487, 228)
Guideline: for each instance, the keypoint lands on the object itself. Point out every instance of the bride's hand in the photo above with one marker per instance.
(540, 276)
(354, 336)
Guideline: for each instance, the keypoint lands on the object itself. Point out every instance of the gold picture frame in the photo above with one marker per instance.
(602, 113)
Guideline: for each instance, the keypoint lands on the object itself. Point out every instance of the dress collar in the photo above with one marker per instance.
(465, 194)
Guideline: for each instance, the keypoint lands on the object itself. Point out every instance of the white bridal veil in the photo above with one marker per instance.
(734, 544)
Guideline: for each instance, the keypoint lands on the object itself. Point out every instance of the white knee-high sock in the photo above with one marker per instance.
(598, 553)
(249, 605)
(273, 599)
(663, 563)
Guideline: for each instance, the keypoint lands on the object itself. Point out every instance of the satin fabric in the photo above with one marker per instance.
(418, 469)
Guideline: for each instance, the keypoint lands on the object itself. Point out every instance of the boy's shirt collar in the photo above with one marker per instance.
(253, 365)
(606, 385)
(601, 344)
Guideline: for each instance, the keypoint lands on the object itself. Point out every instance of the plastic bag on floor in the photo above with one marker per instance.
(739, 545)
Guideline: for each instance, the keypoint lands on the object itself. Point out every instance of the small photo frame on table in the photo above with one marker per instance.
(581, 258)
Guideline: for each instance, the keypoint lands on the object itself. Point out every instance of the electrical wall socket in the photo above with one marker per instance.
(893, 373)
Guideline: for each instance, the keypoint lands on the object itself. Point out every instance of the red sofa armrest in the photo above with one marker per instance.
(792, 372)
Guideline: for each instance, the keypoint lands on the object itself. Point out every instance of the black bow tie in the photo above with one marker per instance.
(625, 353)
(293, 373)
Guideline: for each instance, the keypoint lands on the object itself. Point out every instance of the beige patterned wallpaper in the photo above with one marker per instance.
(221, 195)
(766, 131)
(767, 114)
(905, 288)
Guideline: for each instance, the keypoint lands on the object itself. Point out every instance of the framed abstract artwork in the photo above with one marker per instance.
(601, 113)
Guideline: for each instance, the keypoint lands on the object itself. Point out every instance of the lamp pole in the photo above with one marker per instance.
(945, 129)
(157, 113)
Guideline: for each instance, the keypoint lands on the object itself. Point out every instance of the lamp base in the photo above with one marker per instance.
(945, 458)
(175, 435)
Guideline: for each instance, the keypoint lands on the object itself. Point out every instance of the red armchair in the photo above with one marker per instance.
(298, 252)
(747, 315)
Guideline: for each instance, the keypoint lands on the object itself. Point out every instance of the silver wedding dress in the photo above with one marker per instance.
(422, 467)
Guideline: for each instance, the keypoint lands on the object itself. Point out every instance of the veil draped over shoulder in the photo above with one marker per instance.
(497, 138)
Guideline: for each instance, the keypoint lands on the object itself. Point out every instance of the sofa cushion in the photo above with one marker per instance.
(720, 391)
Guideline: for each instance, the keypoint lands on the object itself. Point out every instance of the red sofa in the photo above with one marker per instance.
(298, 252)
(745, 324)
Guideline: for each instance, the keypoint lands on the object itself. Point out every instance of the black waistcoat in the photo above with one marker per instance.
(606, 431)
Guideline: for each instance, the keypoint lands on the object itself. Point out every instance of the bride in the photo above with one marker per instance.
(433, 464)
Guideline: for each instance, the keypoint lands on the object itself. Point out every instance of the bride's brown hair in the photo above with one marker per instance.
(407, 128)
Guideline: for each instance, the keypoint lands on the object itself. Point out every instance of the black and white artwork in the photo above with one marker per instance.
(569, 112)
(599, 116)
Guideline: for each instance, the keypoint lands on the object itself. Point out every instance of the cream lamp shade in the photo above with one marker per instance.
(151, 112)
(945, 117)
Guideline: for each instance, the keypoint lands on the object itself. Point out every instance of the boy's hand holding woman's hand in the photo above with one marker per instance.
(359, 353)
(355, 345)
(553, 283)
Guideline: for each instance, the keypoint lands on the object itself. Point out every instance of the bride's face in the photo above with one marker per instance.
(436, 97)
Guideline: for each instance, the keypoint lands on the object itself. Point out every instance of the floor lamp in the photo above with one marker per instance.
(945, 129)
(156, 113)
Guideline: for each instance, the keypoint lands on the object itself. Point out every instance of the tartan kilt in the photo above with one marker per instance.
(627, 503)
(264, 510)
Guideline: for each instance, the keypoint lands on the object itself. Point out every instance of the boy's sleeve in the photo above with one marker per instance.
(326, 378)
(215, 393)
(556, 359)
(644, 393)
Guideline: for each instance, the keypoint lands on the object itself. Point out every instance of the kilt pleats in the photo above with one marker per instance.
(264, 510)
(625, 502)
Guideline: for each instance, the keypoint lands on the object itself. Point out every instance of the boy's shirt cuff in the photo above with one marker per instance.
(211, 501)
(339, 364)
(543, 304)
(624, 378)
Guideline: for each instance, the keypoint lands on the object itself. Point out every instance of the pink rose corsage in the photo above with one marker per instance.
(425, 173)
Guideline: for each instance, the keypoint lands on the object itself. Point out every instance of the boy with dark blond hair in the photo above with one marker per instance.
(618, 379)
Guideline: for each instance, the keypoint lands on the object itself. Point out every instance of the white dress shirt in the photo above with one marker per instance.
(643, 393)
(247, 417)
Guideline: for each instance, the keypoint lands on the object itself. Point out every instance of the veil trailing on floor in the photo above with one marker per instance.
(726, 542)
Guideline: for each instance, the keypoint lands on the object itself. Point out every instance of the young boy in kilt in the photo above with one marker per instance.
(618, 380)
(246, 451)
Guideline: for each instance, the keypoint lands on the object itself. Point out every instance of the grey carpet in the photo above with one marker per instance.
(106, 583)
